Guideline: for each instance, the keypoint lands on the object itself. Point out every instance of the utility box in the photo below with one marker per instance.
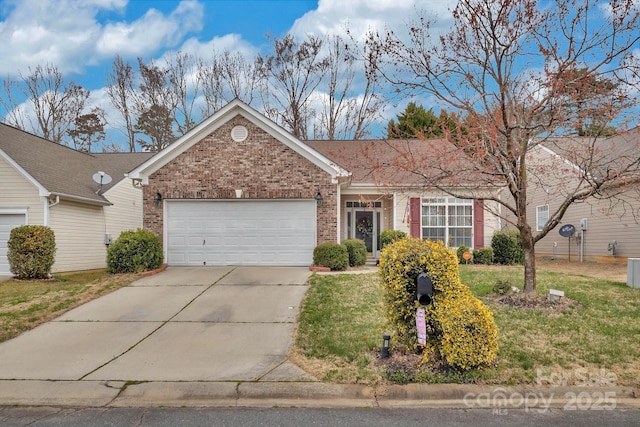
(633, 273)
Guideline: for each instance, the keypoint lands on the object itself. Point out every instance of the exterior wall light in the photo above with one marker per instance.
(319, 199)
(157, 199)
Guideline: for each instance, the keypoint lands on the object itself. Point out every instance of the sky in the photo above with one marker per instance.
(82, 37)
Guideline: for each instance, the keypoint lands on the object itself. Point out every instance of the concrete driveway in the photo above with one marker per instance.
(184, 324)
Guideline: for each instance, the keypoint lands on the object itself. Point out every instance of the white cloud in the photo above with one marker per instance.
(67, 33)
(362, 16)
(151, 32)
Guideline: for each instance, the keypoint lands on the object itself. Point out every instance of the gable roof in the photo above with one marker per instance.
(57, 170)
(619, 154)
(219, 118)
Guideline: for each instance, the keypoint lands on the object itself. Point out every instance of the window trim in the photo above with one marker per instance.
(447, 203)
(538, 210)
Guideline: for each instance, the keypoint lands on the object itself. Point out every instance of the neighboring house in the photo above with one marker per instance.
(239, 189)
(607, 228)
(44, 183)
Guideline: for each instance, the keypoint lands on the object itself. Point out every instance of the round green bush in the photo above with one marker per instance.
(483, 256)
(331, 255)
(507, 249)
(389, 236)
(357, 251)
(31, 252)
(134, 252)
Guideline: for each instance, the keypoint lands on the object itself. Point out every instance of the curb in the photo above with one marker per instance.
(162, 268)
(312, 395)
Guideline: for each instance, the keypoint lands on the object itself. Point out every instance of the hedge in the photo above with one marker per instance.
(461, 329)
(134, 252)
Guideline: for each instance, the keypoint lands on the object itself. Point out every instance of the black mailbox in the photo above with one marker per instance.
(424, 289)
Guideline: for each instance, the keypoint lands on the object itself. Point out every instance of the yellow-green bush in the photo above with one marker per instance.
(461, 329)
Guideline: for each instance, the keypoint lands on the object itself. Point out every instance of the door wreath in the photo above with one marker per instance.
(364, 226)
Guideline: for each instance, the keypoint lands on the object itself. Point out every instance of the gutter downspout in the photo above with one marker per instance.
(48, 205)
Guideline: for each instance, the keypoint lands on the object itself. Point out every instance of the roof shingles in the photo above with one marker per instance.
(62, 170)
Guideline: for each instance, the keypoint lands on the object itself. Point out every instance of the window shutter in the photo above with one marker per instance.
(415, 214)
(478, 223)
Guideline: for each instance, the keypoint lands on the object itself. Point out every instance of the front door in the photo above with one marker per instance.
(363, 220)
(364, 228)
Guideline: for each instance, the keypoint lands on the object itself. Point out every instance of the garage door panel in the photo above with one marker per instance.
(241, 232)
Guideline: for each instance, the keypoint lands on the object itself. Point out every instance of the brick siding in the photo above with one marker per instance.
(261, 166)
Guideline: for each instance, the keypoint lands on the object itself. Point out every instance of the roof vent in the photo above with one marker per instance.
(239, 133)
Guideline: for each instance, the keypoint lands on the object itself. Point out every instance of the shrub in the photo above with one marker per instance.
(389, 236)
(134, 251)
(332, 255)
(483, 256)
(357, 251)
(461, 328)
(506, 247)
(460, 252)
(31, 251)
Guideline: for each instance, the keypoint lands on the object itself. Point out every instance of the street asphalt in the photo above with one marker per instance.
(217, 337)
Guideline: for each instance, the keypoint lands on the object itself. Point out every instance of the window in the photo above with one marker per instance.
(542, 216)
(449, 220)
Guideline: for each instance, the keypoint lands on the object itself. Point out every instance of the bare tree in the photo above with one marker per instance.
(52, 105)
(183, 81)
(345, 113)
(121, 91)
(291, 74)
(227, 76)
(504, 65)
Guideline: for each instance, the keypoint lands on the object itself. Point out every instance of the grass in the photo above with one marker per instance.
(340, 325)
(342, 321)
(27, 304)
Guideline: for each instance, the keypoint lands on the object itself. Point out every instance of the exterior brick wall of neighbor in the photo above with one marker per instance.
(261, 166)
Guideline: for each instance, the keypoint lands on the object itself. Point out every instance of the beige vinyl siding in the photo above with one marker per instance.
(79, 231)
(126, 211)
(17, 192)
(607, 220)
(402, 210)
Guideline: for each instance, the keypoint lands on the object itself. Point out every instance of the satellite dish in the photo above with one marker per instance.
(101, 178)
(567, 230)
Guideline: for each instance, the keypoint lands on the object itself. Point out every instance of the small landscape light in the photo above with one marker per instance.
(385, 346)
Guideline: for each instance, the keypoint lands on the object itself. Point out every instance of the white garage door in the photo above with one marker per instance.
(7, 223)
(241, 232)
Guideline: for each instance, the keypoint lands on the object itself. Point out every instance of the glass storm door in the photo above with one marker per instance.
(363, 221)
(364, 228)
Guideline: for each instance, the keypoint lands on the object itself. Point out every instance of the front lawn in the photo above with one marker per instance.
(26, 304)
(342, 322)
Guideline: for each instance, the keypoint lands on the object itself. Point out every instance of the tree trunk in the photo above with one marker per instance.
(526, 237)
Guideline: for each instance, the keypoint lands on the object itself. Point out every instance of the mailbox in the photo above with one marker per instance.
(424, 289)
